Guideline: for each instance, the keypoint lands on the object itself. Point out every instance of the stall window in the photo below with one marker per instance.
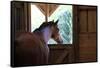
(64, 14)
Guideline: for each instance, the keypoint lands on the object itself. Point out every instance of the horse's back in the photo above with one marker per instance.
(29, 50)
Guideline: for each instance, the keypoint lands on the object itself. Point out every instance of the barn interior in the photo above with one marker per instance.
(84, 45)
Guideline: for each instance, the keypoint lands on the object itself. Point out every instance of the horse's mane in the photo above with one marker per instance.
(43, 25)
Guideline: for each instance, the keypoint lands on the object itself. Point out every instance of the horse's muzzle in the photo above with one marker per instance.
(60, 41)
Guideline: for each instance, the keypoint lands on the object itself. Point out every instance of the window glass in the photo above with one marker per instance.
(64, 14)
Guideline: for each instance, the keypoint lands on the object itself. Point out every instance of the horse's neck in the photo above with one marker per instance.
(46, 32)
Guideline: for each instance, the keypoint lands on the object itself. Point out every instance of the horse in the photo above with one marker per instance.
(31, 48)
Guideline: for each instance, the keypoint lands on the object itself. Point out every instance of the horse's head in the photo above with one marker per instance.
(55, 32)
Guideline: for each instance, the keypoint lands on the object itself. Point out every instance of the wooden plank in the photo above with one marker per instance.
(42, 8)
(61, 54)
(87, 47)
(54, 55)
(92, 21)
(52, 8)
(62, 57)
(82, 8)
(83, 21)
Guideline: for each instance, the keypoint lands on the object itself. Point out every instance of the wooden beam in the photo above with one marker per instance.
(62, 56)
(38, 6)
(53, 9)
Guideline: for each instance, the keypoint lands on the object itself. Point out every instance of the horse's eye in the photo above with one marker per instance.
(58, 29)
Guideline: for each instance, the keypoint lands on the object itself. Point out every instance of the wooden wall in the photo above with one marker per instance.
(21, 16)
(87, 16)
(20, 21)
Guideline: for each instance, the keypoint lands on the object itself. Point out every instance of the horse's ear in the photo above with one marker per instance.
(56, 22)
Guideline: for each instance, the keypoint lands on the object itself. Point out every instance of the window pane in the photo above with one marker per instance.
(37, 17)
(64, 14)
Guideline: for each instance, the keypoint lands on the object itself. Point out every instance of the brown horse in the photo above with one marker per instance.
(32, 48)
